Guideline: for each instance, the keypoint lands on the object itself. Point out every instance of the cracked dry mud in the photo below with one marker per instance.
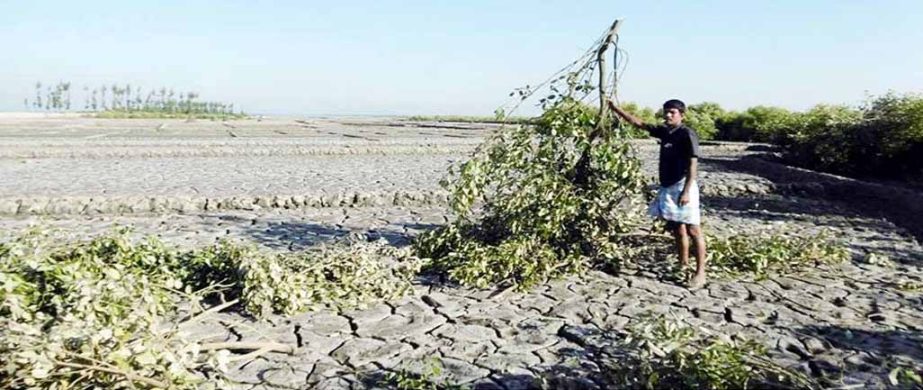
(287, 185)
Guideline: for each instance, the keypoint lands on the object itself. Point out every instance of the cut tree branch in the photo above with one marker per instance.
(249, 345)
(127, 375)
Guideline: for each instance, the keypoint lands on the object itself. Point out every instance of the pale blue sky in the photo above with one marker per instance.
(453, 57)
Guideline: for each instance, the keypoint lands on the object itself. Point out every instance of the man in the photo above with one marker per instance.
(678, 199)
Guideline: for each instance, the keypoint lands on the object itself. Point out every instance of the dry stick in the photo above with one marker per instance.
(583, 164)
(251, 355)
(601, 59)
(501, 292)
(193, 299)
(249, 345)
(96, 361)
(128, 375)
(210, 311)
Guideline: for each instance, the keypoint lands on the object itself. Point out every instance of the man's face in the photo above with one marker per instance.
(672, 117)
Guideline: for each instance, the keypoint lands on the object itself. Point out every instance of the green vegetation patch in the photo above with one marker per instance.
(661, 353)
(553, 199)
(764, 254)
(106, 312)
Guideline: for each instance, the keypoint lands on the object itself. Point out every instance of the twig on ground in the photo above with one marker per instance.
(249, 345)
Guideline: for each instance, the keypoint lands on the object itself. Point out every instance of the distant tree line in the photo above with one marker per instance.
(117, 99)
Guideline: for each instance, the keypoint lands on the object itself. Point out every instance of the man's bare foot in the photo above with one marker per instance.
(697, 281)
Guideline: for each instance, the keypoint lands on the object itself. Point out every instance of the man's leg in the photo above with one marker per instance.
(696, 232)
(682, 242)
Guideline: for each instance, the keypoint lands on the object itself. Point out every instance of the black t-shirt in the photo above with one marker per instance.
(677, 146)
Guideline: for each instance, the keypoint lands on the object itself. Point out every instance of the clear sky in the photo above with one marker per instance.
(460, 57)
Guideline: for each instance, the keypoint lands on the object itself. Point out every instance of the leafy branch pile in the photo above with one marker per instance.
(106, 313)
(776, 252)
(341, 276)
(540, 201)
(553, 198)
(662, 353)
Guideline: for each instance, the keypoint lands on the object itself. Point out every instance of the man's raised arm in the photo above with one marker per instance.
(626, 116)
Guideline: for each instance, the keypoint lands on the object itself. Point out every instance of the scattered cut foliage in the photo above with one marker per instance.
(107, 312)
(773, 252)
(663, 353)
